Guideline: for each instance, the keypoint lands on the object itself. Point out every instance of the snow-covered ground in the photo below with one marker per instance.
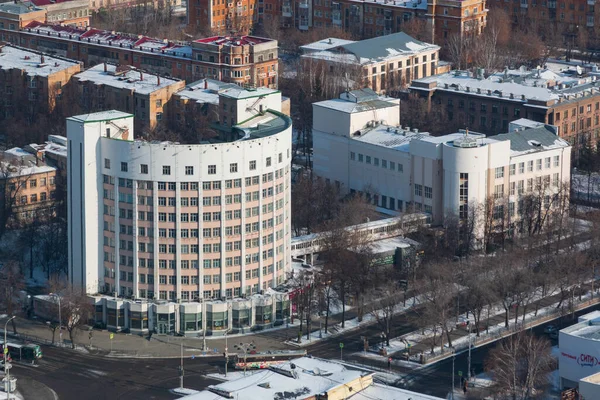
(351, 324)
(183, 391)
(586, 187)
(232, 375)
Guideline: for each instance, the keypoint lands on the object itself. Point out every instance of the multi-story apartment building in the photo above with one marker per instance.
(68, 12)
(249, 61)
(565, 17)
(440, 18)
(182, 222)
(359, 145)
(571, 103)
(27, 187)
(224, 16)
(16, 15)
(383, 63)
(127, 89)
(32, 82)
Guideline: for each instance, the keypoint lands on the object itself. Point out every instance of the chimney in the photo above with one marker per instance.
(205, 84)
(330, 41)
(158, 80)
(41, 59)
(105, 67)
(141, 76)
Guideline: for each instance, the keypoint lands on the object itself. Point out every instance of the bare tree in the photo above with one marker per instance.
(385, 309)
(11, 282)
(520, 366)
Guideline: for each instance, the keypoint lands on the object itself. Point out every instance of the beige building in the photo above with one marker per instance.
(127, 89)
(28, 187)
(32, 83)
(16, 15)
(68, 12)
(383, 63)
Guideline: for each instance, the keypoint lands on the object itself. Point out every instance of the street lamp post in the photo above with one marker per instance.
(59, 318)
(469, 358)
(453, 380)
(245, 348)
(7, 384)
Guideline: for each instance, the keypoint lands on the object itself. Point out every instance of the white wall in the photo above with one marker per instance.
(579, 357)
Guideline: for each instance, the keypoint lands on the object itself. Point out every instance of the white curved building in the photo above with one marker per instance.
(178, 222)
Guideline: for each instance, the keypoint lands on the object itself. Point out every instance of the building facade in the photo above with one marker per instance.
(383, 64)
(127, 89)
(31, 82)
(180, 222)
(68, 12)
(360, 147)
(16, 15)
(27, 187)
(246, 60)
(438, 19)
(488, 105)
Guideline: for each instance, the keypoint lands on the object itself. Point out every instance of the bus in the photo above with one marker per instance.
(262, 360)
(23, 352)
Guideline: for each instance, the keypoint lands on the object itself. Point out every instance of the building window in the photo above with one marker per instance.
(521, 168)
(144, 168)
(499, 191)
(538, 164)
(106, 163)
(189, 170)
(556, 161)
(512, 169)
(418, 190)
(166, 170)
(428, 192)
(252, 165)
(352, 155)
(212, 169)
(268, 161)
(123, 167)
(233, 167)
(499, 172)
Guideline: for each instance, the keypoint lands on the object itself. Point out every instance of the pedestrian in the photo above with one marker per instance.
(465, 384)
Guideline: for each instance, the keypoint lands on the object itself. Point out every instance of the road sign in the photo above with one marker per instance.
(341, 345)
(459, 373)
(112, 336)
(5, 349)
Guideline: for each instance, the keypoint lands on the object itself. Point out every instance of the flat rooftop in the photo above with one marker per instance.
(595, 378)
(351, 107)
(126, 78)
(31, 61)
(100, 116)
(391, 244)
(325, 44)
(204, 91)
(586, 330)
(238, 92)
(24, 7)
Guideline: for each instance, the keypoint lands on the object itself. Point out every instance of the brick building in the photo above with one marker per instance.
(16, 15)
(246, 60)
(488, 105)
(441, 18)
(383, 63)
(125, 88)
(31, 82)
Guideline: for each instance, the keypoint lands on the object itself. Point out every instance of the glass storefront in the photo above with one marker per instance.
(166, 323)
(139, 320)
(190, 322)
(216, 321)
(241, 318)
(112, 314)
(282, 310)
(264, 314)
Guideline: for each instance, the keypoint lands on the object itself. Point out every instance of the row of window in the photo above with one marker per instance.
(540, 163)
(419, 191)
(189, 170)
(33, 198)
(376, 162)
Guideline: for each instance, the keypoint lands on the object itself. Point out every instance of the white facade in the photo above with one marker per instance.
(579, 355)
(359, 146)
(180, 222)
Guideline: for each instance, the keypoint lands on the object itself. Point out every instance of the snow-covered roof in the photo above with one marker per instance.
(532, 140)
(15, 171)
(304, 378)
(203, 91)
(238, 92)
(374, 50)
(411, 4)
(391, 244)
(586, 330)
(17, 152)
(134, 79)
(100, 116)
(353, 107)
(388, 136)
(12, 57)
(464, 82)
(24, 7)
(325, 44)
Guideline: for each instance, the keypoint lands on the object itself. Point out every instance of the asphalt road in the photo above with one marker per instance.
(436, 380)
(75, 376)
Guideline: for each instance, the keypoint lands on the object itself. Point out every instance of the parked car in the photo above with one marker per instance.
(549, 329)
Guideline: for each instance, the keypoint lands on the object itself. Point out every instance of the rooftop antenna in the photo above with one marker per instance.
(466, 132)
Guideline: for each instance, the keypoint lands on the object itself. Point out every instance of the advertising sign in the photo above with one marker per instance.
(579, 356)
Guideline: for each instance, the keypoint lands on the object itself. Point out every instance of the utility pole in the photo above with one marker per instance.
(181, 366)
(453, 380)
(7, 385)
(226, 354)
(469, 363)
